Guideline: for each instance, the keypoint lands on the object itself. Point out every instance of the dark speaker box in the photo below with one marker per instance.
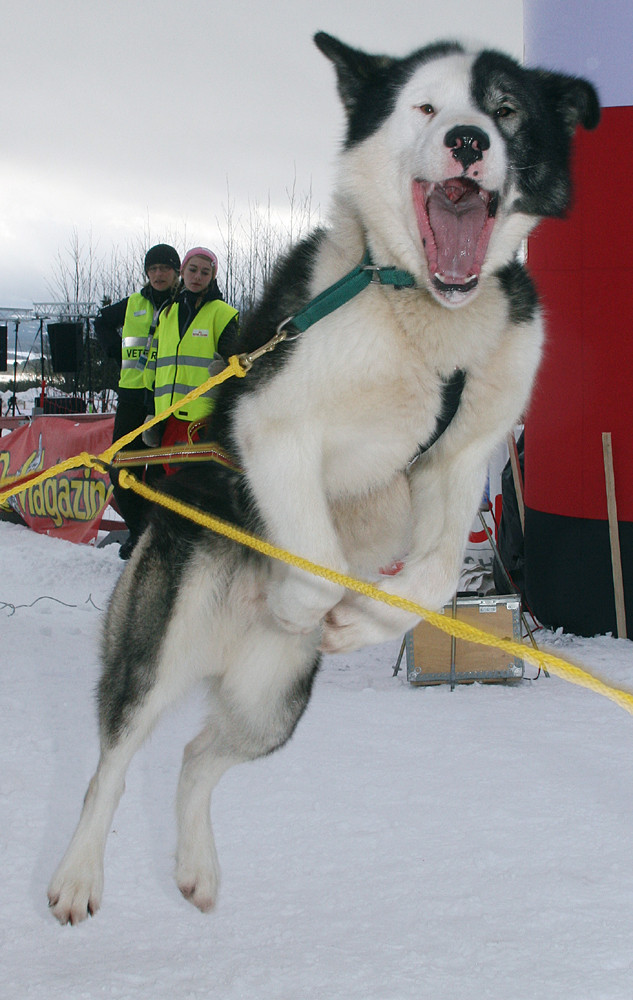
(3, 348)
(66, 340)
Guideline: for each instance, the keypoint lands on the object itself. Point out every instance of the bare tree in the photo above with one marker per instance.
(120, 275)
(82, 275)
(252, 243)
(76, 273)
(83, 280)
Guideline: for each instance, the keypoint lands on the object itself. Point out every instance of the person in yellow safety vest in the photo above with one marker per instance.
(125, 329)
(196, 334)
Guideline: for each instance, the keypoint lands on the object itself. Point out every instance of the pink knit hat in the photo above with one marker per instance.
(200, 252)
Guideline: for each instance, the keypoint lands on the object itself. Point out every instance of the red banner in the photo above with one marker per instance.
(69, 505)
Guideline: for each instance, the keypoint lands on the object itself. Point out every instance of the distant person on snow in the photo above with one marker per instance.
(195, 335)
(125, 330)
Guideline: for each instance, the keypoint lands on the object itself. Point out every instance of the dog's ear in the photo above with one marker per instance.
(581, 103)
(354, 69)
(576, 99)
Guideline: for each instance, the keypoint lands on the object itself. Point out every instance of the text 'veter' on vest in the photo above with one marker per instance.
(139, 315)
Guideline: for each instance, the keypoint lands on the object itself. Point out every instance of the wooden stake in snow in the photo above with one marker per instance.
(614, 536)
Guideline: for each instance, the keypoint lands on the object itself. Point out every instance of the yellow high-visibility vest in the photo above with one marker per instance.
(139, 316)
(176, 366)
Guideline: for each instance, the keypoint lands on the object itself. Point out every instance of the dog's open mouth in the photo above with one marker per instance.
(455, 219)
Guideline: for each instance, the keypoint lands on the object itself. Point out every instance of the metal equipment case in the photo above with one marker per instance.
(433, 657)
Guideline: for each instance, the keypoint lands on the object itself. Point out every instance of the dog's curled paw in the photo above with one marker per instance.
(359, 621)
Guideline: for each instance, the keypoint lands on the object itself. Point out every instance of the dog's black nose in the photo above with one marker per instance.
(467, 144)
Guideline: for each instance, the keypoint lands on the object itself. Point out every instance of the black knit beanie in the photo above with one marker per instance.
(162, 253)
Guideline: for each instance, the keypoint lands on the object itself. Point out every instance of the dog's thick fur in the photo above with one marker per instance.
(449, 160)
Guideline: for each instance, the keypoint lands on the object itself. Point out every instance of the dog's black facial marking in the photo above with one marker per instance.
(520, 292)
(369, 84)
(536, 114)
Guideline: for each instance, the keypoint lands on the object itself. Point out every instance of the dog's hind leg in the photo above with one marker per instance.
(257, 705)
(197, 867)
(76, 888)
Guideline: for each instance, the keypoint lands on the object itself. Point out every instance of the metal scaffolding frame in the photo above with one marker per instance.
(71, 311)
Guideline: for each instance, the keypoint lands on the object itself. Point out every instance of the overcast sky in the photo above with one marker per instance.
(119, 114)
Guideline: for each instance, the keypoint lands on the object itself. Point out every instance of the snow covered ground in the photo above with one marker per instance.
(407, 844)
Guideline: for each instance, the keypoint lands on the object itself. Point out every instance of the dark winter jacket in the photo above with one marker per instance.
(109, 322)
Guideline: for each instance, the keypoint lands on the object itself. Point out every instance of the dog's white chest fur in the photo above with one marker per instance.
(364, 388)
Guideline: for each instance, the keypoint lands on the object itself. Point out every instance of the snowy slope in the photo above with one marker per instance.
(407, 843)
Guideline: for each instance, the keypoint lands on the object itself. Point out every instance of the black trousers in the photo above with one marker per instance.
(130, 414)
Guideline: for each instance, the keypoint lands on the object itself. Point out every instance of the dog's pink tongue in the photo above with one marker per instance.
(457, 216)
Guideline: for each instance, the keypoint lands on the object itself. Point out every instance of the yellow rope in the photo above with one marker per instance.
(460, 630)
(234, 367)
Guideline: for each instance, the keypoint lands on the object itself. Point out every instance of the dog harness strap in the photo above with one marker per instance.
(333, 297)
(387, 275)
(452, 390)
(197, 452)
(328, 301)
(347, 288)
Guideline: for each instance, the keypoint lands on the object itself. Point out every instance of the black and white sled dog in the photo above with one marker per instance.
(450, 158)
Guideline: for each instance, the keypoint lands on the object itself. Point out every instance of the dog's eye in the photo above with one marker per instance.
(427, 109)
(505, 111)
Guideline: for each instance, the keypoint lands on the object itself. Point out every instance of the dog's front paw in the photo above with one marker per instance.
(359, 621)
(298, 605)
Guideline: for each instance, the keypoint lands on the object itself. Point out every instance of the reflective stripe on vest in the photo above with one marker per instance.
(183, 365)
(136, 326)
